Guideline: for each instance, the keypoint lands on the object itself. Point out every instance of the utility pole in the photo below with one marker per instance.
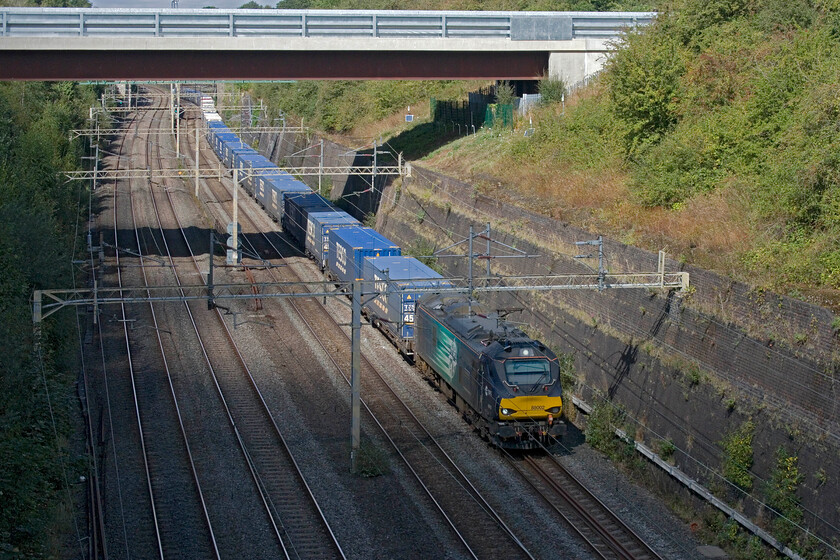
(178, 121)
(234, 243)
(373, 169)
(172, 108)
(602, 272)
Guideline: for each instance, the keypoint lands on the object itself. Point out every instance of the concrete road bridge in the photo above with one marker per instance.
(174, 44)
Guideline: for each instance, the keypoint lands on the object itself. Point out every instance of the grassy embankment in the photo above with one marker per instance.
(712, 134)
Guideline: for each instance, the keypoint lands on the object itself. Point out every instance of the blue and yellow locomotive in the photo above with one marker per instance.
(504, 382)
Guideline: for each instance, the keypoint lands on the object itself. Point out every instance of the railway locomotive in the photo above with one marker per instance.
(504, 383)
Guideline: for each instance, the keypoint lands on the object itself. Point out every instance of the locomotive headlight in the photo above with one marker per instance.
(507, 412)
(553, 410)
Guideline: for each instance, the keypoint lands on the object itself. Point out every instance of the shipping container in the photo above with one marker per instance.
(297, 208)
(349, 246)
(318, 228)
(393, 312)
(276, 188)
(247, 161)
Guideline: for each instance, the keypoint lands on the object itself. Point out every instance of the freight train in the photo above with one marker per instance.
(506, 384)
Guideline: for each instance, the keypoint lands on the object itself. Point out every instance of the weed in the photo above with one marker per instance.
(372, 461)
(780, 491)
(738, 456)
(600, 429)
(821, 477)
(568, 374)
(552, 90)
(423, 251)
(693, 375)
(667, 449)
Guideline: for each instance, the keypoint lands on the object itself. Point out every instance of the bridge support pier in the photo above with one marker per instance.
(575, 67)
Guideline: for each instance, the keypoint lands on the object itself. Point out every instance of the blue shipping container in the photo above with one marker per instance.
(297, 209)
(402, 276)
(277, 188)
(349, 246)
(318, 228)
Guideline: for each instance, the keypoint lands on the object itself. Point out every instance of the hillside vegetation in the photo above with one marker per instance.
(712, 134)
(38, 218)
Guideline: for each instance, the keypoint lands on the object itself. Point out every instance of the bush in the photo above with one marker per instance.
(738, 456)
(781, 496)
(552, 90)
(644, 83)
(504, 94)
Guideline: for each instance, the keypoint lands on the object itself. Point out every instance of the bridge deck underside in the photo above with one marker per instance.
(269, 65)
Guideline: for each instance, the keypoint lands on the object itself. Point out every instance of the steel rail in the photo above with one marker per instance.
(135, 398)
(288, 547)
(168, 374)
(108, 403)
(237, 433)
(302, 316)
(620, 539)
(463, 481)
(338, 368)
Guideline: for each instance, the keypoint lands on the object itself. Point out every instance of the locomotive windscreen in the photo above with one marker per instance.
(527, 372)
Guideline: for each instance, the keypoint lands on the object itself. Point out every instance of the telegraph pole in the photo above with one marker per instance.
(320, 165)
(234, 242)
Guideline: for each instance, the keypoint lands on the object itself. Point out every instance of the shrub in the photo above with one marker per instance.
(780, 492)
(504, 94)
(552, 90)
(738, 456)
(644, 83)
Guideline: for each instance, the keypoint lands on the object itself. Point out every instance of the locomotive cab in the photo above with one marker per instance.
(529, 400)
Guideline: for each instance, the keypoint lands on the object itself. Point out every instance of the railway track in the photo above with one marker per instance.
(291, 509)
(175, 499)
(479, 528)
(476, 524)
(606, 534)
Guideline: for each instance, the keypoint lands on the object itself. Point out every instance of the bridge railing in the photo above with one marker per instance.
(515, 26)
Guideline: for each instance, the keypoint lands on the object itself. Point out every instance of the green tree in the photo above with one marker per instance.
(644, 84)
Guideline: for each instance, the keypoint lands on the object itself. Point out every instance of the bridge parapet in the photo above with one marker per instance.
(512, 26)
(173, 44)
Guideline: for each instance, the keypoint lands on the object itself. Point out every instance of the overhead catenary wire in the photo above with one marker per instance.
(451, 237)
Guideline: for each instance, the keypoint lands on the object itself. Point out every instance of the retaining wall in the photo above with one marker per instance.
(691, 368)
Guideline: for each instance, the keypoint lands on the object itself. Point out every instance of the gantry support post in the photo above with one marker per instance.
(197, 155)
(355, 370)
(178, 121)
